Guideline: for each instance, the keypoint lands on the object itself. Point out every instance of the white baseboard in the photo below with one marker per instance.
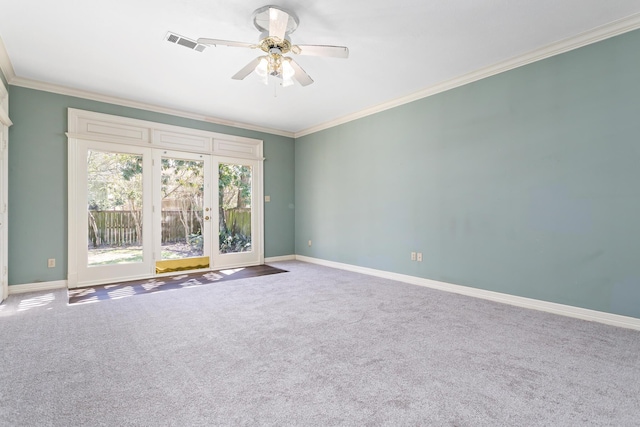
(37, 287)
(280, 258)
(549, 307)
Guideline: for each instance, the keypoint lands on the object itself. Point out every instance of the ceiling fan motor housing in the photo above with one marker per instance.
(267, 43)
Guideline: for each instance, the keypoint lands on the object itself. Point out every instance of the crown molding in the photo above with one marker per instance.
(65, 90)
(5, 63)
(595, 35)
(4, 105)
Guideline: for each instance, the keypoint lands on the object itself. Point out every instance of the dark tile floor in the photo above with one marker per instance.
(165, 283)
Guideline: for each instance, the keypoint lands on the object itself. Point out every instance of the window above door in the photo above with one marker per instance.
(123, 130)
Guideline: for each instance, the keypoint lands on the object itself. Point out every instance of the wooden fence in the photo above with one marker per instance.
(113, 228)
(121, 228)
(238, 220)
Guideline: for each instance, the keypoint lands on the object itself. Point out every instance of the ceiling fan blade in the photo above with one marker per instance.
(319, 50)
(278, 21)
(216, 42)
(248, 69)
(300, 76)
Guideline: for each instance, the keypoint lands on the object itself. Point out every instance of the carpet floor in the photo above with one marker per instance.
(313, 347)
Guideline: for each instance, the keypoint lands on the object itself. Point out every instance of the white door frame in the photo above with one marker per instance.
(5, 122)
(256, 255)
(84, 275)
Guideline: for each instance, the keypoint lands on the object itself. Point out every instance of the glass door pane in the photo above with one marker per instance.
(234, 208)
(114, 208)
(185, 212)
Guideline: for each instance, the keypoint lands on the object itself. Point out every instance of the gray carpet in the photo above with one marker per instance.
(315, 346)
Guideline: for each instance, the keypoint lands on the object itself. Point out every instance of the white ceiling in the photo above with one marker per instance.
(117, 48)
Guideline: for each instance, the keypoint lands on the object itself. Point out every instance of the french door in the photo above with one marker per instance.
(114, 206)
(142, 212)
(182, 211)
(239, 238)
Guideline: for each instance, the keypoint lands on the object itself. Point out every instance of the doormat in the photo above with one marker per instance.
(166, 283)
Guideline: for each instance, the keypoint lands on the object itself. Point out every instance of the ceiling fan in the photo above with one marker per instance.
(275, 24)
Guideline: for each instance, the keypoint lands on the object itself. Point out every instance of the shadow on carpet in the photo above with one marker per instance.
(166, 283)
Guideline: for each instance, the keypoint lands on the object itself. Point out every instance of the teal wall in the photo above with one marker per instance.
(38, 180)
(526, 183)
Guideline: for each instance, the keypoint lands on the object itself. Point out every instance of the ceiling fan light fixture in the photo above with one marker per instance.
(274, 65)
(262, 70)
(287, 74)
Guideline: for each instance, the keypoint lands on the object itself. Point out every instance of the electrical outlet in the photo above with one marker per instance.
(419, 256)
(309, 242)
(413, 256)
(51, 262)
